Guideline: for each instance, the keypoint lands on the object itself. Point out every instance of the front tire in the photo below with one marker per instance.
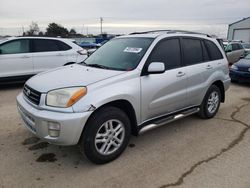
(211, 103)
(106, 135)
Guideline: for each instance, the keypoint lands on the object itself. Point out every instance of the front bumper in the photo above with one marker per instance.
(36, 120)
(240, 76)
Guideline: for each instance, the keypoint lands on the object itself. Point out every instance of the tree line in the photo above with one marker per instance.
(53, 30)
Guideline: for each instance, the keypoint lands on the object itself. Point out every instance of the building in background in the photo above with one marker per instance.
(239, 30)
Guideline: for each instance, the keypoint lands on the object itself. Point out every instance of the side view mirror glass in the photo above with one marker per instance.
(156, 68)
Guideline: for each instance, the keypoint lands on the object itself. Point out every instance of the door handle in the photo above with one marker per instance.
(180, 74)
(209, 67)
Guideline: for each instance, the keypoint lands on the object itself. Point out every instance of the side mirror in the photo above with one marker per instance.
(228, 50)
(156, 68)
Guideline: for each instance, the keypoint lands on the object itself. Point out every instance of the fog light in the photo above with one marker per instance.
(54, 129)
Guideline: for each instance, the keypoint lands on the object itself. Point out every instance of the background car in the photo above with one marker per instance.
(23, 57)
(240, 71)
(246, 47)
(89, 45)
(234, 51)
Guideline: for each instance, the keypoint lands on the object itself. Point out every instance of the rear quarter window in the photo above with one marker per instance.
(63, 46)
(213, 51)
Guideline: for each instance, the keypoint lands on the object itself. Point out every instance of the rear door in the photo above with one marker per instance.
(47, 55)
(166, 92)
(197, 69)
(16, 58)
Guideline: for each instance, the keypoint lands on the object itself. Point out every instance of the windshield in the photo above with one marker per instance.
(248, 56)
(120, 54)
(246, 45)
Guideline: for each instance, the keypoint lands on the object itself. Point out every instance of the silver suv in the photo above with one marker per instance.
(130, 85)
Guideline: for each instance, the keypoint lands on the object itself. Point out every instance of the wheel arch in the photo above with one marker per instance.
(220, 85)
(126, 107)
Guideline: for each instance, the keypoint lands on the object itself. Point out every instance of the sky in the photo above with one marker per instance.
(123, 16)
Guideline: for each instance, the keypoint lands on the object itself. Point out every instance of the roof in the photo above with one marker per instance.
(239, 21)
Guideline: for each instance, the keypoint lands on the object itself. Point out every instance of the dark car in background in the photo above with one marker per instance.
(240, 71)
(89, 45)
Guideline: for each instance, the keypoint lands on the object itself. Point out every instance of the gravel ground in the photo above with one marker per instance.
(190, 152)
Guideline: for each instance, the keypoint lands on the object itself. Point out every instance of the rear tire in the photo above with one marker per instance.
(106, 135)
(211, 103)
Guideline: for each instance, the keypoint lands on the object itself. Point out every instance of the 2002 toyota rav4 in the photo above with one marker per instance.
(130, 85)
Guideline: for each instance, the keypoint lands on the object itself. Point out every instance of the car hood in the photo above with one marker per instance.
(243, 63)
(69, 76)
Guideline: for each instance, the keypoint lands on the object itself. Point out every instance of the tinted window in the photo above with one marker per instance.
(42, 45)
(168, 52)
(214, 52)
(192, 51)
(205, 52)
(235, 47)
(62, 46)
(15, 47)
(240, 46)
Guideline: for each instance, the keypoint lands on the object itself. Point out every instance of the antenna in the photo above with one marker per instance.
(101, 21)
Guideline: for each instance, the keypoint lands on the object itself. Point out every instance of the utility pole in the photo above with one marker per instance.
(101, 20)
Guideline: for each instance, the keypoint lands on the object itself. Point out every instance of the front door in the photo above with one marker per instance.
(166, 92)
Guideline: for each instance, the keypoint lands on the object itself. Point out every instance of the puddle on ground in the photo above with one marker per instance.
(31, 140)
(246, 99)
(131, 145)
(47, 157)
(40, 145)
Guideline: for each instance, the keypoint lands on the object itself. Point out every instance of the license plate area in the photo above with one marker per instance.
(28, 120)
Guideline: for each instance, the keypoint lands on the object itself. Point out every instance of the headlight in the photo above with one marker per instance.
(234, 67)
(65, 97)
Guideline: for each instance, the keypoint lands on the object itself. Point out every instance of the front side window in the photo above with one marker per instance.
(229, 48)
(167, 52)
(15, 47)
(192, 51)
(120, 54)
(45, 45)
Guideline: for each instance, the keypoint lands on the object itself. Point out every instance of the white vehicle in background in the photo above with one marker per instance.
(22, 57)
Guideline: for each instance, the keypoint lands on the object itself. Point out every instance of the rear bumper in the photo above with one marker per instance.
(36, 121)
(240, 76)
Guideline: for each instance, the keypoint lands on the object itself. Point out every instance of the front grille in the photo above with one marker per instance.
(33, 95)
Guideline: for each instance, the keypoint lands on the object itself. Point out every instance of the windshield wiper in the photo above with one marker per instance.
(97, 66)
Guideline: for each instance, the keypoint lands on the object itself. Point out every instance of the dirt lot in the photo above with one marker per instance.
(188, 153)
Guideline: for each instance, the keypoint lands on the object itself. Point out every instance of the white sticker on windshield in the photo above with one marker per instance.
(133, 50)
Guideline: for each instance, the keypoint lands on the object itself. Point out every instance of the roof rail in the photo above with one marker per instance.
(170, 32)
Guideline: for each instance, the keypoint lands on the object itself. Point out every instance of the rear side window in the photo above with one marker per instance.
(235, 47)
(15, 47)
(213, 50)
(205, 52)
(168, 52)
(192, 51)
(42, 45)
(240, 46)
(62, 46)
